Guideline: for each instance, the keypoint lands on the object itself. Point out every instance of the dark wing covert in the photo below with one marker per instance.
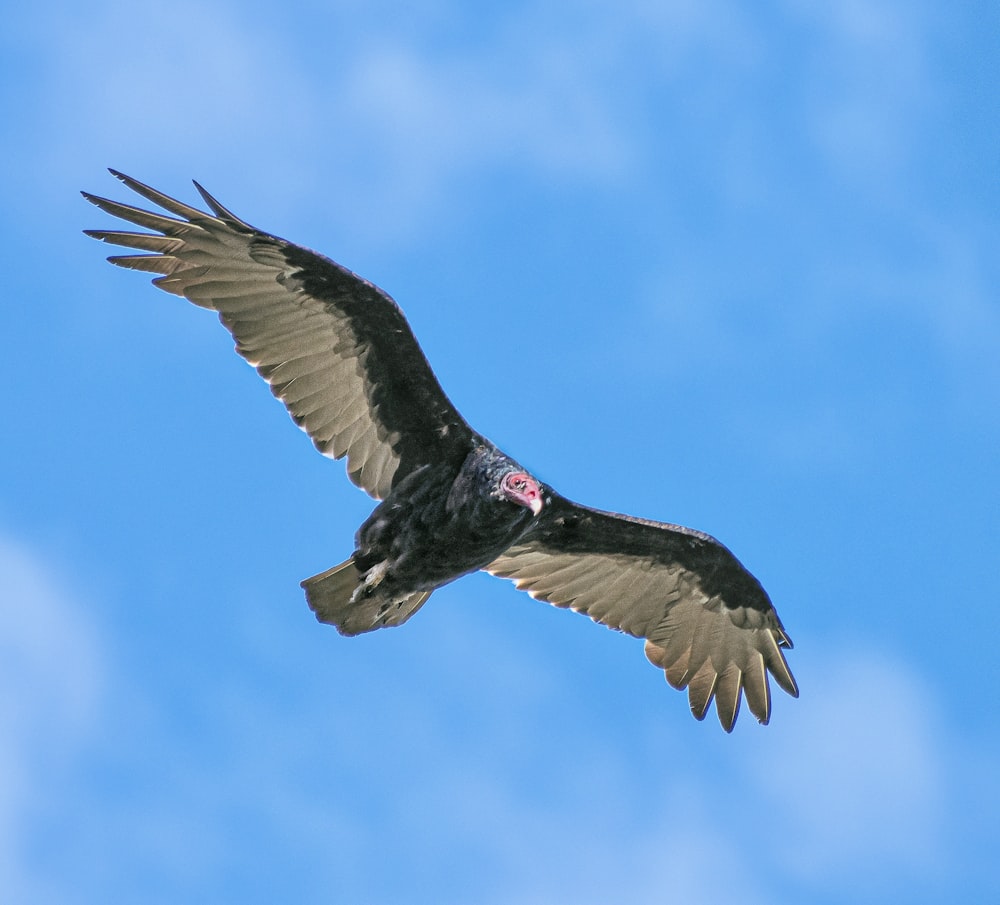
(333, 347)
(707, 621)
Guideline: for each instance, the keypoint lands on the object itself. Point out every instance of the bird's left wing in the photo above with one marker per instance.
(333, 347)
(707, 621)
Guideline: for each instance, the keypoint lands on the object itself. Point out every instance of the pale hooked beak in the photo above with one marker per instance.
(536, 505)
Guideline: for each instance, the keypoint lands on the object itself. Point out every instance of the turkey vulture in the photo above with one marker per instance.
(337, 351)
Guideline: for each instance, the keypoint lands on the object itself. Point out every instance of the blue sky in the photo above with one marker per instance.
(728, 265)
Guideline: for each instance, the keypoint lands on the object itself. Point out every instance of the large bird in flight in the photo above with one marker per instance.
(337, 351)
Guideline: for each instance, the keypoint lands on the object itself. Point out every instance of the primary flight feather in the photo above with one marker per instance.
(338, 352)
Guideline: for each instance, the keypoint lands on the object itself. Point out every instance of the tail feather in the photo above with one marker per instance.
(329, 596)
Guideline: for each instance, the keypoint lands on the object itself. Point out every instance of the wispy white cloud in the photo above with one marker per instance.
(844, 792)
(430, 119)
(396, 118)
(396, 122)
(867, 86)
(391, 124)
(51, 676)
(846, 788)
(859, 775)
(184, 82)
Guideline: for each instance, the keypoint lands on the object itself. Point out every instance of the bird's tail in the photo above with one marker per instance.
(330, 596)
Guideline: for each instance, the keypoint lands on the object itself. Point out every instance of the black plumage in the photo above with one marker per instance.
(340, 355)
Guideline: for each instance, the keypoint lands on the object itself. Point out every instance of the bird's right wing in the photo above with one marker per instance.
(707, 621)
(333, 347)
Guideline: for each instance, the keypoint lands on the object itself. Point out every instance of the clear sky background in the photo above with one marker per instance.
(732, 265)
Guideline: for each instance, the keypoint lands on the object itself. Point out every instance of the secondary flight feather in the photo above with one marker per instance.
(338, 352)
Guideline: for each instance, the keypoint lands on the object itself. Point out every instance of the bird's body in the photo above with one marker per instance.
(340, 355)
(439, 524)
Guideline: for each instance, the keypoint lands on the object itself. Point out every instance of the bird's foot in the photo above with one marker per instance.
(373, 578)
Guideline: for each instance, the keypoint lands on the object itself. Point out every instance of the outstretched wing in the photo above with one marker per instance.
(707, 621)
(333, 347)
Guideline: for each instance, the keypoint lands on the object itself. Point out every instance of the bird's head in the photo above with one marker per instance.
(488, 474)
(521, 488)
